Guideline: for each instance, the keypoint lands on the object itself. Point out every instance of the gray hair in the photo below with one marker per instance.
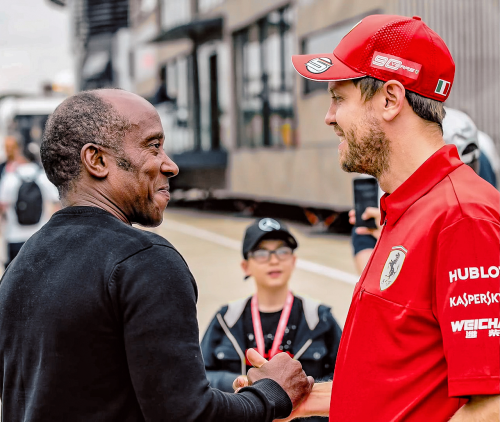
(81, 119)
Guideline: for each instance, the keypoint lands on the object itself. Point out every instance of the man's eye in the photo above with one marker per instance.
(156, 145)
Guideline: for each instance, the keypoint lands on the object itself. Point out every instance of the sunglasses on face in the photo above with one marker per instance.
(264, 255)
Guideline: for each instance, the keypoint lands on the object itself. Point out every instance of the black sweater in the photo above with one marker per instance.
(98, 323)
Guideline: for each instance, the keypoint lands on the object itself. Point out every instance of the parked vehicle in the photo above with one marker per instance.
(27, 116)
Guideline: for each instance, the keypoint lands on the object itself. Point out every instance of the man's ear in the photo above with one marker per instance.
(244, 266)
(393, 93)
(95, 160)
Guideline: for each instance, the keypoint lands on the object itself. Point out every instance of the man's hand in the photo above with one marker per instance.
(284, 370)
(316, 404)
(240, 382)
(370, 212)
(479, 409)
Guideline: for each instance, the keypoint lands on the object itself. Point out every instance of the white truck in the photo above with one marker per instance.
(27, 116)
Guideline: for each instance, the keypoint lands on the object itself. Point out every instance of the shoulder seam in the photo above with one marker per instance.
(468, 218)
(456, 196)
(138, 252)
(148, 247)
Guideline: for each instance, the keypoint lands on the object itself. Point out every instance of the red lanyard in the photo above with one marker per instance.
(280, 331)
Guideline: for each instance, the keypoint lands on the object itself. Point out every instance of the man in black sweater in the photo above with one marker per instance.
(97, 318)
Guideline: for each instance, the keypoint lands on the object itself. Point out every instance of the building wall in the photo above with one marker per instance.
(313, 18)
(469, 28)
(241, 13)
(171, 50)
(304, 176)
(471, 31)
(308, 171)
(144, 27)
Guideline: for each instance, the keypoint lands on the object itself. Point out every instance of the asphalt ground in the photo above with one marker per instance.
(211, 245)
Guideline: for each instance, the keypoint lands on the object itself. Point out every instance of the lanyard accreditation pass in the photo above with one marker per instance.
(280, 331)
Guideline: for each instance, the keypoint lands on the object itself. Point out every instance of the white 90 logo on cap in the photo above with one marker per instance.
(268, 225)
(395, 64)
(388, 63)
(319, 65)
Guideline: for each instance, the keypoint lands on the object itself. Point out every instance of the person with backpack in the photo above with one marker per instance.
(12, 154)
(25, 195)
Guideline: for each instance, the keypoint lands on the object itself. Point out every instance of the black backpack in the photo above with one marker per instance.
(29, 204)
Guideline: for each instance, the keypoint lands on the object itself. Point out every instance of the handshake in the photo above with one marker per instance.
(308, 399)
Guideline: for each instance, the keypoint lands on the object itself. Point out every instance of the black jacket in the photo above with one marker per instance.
(315, 346)
(98, 323)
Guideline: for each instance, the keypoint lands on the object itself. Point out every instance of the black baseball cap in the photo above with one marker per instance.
(266, 228)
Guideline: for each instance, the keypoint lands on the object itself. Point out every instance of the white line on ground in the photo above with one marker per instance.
(312, 267)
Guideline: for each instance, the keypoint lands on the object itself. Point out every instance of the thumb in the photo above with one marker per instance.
(311, 381)
(255, 358)
(240, 382)
(371, 212)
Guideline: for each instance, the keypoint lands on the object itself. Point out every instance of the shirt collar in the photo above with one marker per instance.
(428, 175)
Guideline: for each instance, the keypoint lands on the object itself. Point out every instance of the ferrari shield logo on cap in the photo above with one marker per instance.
(319, 64)
(392, 267)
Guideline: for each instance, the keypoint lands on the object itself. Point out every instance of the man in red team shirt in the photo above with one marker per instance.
(422, 338)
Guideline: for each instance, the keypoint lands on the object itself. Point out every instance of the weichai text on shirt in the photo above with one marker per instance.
(472, 326)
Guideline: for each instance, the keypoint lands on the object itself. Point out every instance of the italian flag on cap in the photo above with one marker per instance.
(442, 87)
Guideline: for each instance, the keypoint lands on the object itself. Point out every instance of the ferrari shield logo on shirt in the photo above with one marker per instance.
(392, 267)
(319, 65)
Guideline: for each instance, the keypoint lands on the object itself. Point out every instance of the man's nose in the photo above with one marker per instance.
(168, 167)
(330, 118)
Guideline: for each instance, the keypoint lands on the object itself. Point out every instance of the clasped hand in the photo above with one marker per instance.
(284, 370)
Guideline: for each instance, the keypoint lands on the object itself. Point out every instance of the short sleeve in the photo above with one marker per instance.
(468, 305)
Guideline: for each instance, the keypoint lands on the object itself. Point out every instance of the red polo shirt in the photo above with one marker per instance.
(423, 330)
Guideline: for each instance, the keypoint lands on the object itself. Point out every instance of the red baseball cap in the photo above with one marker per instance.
(387, 47)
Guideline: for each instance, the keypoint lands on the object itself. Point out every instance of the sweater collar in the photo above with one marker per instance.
(82, 210)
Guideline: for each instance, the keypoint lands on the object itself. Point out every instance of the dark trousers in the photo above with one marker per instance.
(12, 251)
